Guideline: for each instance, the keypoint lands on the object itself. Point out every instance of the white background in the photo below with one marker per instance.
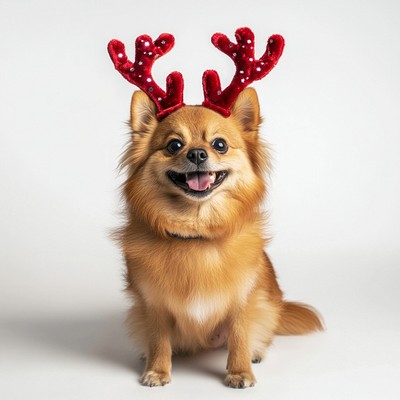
(331, 110)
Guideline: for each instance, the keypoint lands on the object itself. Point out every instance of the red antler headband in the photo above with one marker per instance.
(139, 72)
(248, 69)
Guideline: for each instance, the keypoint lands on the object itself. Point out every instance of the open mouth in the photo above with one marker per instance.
(199, 183)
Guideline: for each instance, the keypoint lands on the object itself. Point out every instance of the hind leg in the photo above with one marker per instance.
(258, 351)
(265, 321)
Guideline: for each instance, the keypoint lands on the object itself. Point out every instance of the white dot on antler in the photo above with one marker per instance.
(258, 69)
(132, 69)
(120, 55)
(148, 79)
(146, 44)
(251, 59)
(234, 54)
(271, 41)
(140, 62)
(241, 72)
(219, 93)
(162, 41)
(159, 98)
(242, 80)
(248, 41)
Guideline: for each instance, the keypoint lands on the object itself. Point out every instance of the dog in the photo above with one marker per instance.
(193, 239)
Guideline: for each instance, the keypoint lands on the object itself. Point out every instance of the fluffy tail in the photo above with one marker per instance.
(298, 319)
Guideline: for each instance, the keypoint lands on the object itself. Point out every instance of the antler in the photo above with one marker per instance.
(139, 72)
(248, 69)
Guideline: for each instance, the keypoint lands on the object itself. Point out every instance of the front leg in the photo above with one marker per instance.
(240, 374)
(158, 366)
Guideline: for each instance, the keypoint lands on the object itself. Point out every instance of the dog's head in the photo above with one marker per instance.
(195, 173)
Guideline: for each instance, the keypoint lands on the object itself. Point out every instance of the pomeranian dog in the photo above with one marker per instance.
(194, 243)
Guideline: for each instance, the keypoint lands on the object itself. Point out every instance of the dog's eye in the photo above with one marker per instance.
(174, 146)
(220, 145)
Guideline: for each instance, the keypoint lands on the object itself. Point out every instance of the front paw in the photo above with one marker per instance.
(241, 380)
(153, 378)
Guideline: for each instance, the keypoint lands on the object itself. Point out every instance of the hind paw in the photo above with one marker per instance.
(257, 357)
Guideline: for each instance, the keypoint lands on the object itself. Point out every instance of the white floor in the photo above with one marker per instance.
(86, 355)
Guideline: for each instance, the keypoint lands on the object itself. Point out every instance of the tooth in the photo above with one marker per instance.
(212, 176)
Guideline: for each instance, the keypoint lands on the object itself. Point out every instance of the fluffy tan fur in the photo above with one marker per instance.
(196, 267)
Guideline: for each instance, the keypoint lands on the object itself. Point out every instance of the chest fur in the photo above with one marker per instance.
(193, 279)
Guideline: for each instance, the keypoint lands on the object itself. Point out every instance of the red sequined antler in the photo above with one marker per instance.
(248, 69)
(139, 72)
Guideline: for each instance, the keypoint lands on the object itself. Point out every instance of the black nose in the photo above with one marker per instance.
(197, 156)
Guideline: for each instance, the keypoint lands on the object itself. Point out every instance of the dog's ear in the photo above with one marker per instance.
(143, 113)
(246, 110)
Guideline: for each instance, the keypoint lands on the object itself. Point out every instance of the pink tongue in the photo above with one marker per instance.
(198, 181)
